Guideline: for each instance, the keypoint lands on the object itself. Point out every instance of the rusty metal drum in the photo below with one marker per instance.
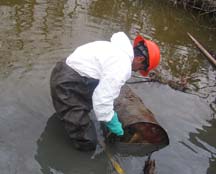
(142, 131)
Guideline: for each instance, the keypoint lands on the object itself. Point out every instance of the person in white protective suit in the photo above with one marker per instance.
(91, 78)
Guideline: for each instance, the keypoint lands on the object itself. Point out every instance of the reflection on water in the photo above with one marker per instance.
(205, 139)
(56, 155)
(36, 34)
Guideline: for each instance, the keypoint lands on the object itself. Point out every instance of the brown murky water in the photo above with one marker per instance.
(36, 34)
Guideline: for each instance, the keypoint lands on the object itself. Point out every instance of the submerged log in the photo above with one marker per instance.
(149, 167)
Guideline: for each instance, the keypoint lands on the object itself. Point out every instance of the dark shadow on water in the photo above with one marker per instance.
(55, 153)
(207, 135)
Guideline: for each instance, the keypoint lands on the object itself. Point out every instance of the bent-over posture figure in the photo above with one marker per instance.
(91, 78)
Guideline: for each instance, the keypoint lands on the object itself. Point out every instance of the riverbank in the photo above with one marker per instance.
(204, 7)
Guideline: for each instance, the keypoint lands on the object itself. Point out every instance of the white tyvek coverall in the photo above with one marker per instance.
(110, 63)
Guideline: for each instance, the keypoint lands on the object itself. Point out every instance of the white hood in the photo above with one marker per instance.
(121, 41)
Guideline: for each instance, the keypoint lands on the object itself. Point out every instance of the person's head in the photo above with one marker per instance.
(146, 55)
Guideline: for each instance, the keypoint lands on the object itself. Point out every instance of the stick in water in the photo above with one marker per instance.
(115, 164)
(204, 51)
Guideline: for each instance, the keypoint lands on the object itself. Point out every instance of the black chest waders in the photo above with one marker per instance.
(72, 99)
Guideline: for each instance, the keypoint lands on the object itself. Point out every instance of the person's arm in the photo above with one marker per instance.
(103, 99)
(106, 92)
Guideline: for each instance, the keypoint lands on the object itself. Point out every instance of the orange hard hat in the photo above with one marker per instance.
(153, 53)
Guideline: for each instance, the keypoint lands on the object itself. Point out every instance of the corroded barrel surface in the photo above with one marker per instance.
(131, 109)
(140, 126)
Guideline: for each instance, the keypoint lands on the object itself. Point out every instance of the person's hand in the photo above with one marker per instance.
(115, 126)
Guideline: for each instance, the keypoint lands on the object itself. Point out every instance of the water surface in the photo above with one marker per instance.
(34, 35)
